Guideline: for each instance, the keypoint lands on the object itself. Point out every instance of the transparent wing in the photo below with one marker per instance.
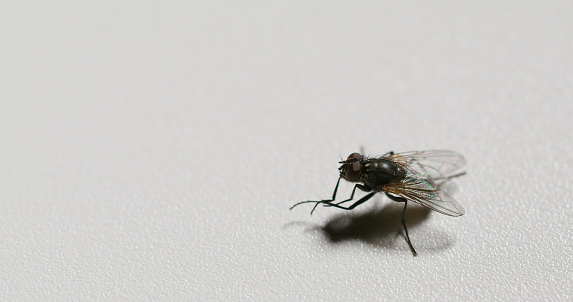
(430, 164)
(425, 192)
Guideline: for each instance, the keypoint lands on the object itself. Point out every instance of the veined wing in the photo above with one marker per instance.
(433, 163)
(425, 192)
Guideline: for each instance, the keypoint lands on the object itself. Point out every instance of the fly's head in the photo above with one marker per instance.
(351, 169)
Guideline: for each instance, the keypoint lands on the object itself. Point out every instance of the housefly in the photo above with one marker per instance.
(414, 176)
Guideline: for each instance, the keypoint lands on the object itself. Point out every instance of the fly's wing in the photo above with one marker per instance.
(423, 169)
(425, 192)
(434, 164)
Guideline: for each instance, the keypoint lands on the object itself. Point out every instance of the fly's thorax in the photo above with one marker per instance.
(382, 171)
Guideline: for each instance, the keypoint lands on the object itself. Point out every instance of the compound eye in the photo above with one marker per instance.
(353, 171)
(354, 155)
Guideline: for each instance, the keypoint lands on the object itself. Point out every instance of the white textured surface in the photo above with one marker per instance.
(151, 151)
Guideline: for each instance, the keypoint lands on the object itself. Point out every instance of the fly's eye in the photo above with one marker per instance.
(353, 171)
(351, 168)
(354, 155)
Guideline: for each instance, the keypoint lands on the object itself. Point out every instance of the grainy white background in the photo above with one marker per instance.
(151, 150)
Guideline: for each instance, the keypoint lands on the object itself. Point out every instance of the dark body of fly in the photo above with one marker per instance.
(377, 173)
(402, 177)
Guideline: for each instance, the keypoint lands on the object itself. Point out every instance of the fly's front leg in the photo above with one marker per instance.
(405, 201)
(327, 201)
(354, 205)
(359, 186)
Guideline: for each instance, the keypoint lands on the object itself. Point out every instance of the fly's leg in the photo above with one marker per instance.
(354, 205)
(405, 201)
(406, 229)
(327, 201)
(359, 186)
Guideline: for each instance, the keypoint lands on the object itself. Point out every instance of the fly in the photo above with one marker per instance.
(413, 176)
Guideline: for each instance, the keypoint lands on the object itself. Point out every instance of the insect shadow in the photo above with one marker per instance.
(374, 226)
(379, 227)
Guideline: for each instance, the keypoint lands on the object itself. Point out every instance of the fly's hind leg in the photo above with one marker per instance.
(405, 201)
